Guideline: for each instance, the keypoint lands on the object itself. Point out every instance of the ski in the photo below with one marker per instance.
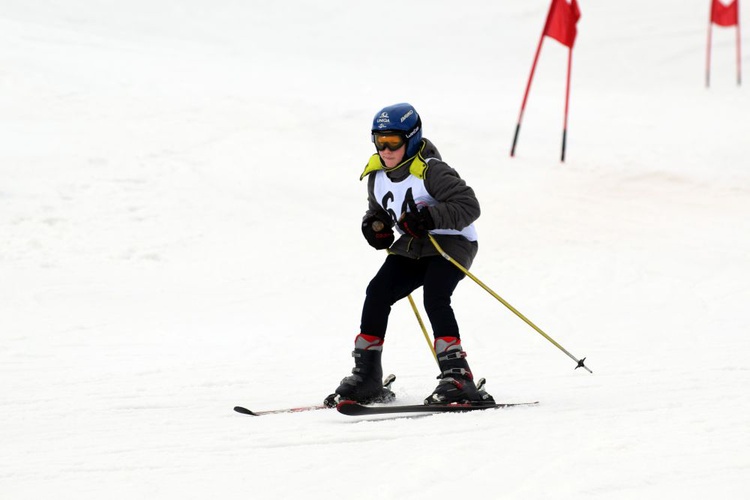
(330, 402)
(355, 409)
(299, 409)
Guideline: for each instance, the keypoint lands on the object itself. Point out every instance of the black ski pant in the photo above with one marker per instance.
(397, 278)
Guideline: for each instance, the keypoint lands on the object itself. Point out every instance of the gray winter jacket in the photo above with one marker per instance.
(457, 205)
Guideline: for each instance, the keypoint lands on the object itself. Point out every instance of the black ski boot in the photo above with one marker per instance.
(456, 381)
(365, 384)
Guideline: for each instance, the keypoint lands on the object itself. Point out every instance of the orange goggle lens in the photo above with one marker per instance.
(392, 142)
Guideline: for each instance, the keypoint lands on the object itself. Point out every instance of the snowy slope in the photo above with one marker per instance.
(179, 212)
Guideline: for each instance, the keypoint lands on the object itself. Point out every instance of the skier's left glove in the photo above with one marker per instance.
(416, 224)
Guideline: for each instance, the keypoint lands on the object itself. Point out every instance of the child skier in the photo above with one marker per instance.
(410, 187)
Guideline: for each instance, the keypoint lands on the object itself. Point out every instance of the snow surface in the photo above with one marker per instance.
(179, 233)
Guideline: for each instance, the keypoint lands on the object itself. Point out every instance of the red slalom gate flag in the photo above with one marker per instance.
(561, 22)
(560, 25)
(724, 15)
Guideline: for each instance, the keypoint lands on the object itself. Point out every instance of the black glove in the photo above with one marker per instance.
(377, 232)
(416, 224)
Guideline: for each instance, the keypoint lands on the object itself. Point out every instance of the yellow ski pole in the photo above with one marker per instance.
(424, 330)
(506, 304)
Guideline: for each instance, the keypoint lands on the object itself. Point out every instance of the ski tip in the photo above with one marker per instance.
(243, 410)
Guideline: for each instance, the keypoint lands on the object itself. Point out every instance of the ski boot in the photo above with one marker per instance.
(456, 381)
(365, 385)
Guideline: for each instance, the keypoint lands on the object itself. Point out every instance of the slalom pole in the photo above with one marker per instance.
(528, 85)
(567, 100)
(506, 304)
(739, 51)
(708, 52)
(424, 330)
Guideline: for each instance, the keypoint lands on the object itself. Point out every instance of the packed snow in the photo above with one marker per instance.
(179, 225)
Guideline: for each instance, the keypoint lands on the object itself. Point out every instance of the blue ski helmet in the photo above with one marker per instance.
(405, 120)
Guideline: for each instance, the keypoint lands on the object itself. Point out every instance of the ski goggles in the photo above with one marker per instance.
(390, 141)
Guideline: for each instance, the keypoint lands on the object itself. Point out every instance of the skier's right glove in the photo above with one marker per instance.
(377, 232)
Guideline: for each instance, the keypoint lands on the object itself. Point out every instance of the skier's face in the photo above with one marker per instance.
(392, 158)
